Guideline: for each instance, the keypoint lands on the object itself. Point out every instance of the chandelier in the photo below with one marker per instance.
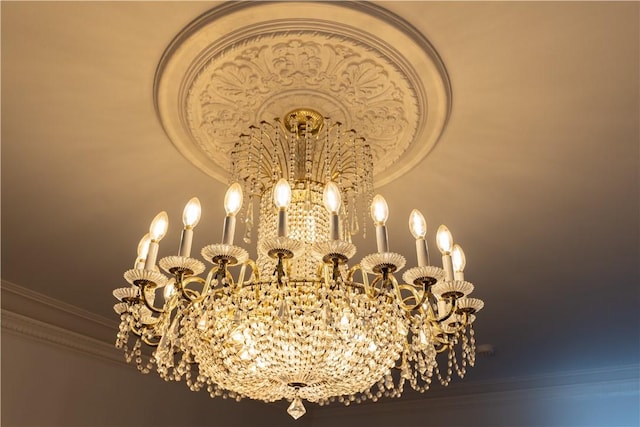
(306, 319)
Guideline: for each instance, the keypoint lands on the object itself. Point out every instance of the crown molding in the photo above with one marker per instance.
(27, 327)
(36, 306)
(10, 289)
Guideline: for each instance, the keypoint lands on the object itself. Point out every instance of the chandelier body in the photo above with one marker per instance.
(302, 321)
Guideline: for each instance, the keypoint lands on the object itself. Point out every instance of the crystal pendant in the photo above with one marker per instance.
(248, 222)
(296, 409)
(354, 227)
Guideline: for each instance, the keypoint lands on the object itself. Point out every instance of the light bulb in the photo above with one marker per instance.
(444, 240)
(159, 226)
(169, 290)
(191, 213)
(143, 247)
(379, 210)
(282, 194)
(458, 258)
(233, 199)
(332, 198)
(417, 224)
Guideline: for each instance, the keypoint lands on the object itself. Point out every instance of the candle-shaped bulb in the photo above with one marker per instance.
(143, 251)
(332, 198)
(282, 194)
(332, 202)
(380, 213)
(143, 247)
(159, 226)
(190, 218)
(417, 224)
(418, 227)
(444, 240)
(233, 199)
(191, 213)
(232, 205)
(458, 258)
(157, 230)
(379, 210)
(169, 290)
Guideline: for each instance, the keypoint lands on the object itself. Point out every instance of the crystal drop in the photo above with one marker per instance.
(248, 223)
(283, 311)
(296, 409)
(354, 226)
(307, 201)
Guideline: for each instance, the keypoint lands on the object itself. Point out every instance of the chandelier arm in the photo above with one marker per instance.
(414, 292)
(190, 294)
(208, 280)
(465, 319)
(370, 290)
(151, 343)
(136, 331)
(352, 272)
(143, 296)
(443, 347)
(452, 310)
(430, 313)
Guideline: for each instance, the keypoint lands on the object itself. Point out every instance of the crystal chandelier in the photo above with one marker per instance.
(305, 320)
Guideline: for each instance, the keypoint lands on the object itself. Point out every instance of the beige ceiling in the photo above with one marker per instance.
(536, 173)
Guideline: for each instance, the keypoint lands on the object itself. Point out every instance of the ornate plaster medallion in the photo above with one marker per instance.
(357, 63)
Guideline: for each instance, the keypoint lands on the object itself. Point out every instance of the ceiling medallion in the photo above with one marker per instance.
(251, 61)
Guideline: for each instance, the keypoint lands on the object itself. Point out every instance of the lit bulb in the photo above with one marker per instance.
(237, 336)
(417, 224)
(191, 213)
(332, 198)
(458, 258)
(282, 194)
(233, 199)
(169, 290)
(379, 210)
(344, 321)
(143, 247)
(202, 323)
(444, 240)
(159, 226)
(143, 251)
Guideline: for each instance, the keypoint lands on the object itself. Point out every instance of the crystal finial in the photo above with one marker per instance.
(296, 409)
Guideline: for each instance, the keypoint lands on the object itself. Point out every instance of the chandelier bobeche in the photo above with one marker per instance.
(302, 321)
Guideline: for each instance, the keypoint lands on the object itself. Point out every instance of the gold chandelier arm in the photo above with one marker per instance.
(418, 297)
(451, 310)
(370, 290)
(254, 270)
(444, 346)
(143, 297)
(190, 294)
(151, 343)
(207, 282)
(352, 272)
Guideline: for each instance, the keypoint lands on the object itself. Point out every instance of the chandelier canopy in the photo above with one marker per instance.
(305, 319)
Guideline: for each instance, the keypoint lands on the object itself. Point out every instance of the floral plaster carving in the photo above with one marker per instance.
(274, 64)
(231, 90)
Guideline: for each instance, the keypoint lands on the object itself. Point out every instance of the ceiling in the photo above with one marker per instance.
(536, 173)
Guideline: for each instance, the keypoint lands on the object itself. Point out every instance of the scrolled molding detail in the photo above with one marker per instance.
(236, 66)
